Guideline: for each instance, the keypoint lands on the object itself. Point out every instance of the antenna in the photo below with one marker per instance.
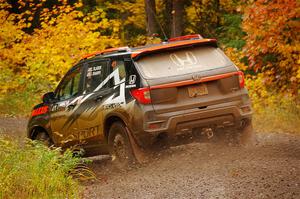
(160, 26)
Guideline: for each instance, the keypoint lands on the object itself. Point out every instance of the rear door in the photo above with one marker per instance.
(96, 89)
(194, 77)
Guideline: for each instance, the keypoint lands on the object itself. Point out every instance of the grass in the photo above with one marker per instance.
(280, 118)
(35, 171)
(18, 103)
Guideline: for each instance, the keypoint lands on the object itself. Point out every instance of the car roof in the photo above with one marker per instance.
(137, 52)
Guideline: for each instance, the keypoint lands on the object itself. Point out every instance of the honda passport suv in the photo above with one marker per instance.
(119, 99)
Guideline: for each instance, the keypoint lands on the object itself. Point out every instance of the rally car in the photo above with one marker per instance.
(118, 99)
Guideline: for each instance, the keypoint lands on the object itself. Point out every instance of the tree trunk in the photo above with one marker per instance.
(177, 18)
(167, 16)
(150, 17)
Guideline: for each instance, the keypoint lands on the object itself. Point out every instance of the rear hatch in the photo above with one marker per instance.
(190, 77)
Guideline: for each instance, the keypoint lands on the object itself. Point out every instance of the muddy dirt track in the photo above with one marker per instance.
(200, 170)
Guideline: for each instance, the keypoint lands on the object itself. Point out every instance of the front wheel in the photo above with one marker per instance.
(43, 138)
(119, 146)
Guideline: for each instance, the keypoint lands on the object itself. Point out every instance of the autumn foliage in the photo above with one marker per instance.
(272, 43)
(42, 57)
(42, 39)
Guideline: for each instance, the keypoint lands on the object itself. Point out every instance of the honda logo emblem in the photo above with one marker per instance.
(184, 60)
(132, 79)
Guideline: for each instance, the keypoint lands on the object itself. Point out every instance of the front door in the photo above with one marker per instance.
(63, 110)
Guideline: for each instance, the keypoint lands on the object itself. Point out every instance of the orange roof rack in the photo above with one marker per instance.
(109, 50)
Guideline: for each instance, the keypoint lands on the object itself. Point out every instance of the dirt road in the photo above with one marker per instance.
(204, 170)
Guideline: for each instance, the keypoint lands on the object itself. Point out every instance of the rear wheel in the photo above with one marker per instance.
(120, 147)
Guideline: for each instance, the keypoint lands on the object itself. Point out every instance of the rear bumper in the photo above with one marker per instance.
(230, 114)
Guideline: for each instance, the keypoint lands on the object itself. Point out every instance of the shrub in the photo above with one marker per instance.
(35, 171)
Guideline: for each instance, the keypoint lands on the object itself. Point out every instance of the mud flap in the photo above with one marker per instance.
(139, 153)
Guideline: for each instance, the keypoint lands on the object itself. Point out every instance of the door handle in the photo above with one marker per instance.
(98, 98)
(71, 106)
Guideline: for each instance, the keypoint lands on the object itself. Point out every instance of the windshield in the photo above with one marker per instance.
(182, 62)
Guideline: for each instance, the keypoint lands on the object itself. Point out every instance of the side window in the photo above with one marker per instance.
(70, 85)
(120, 66)
(95, 75)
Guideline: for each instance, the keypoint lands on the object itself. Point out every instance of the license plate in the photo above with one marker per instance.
(197, 90)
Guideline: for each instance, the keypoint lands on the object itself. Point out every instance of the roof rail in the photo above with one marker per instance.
(186, 37)
(106, 51)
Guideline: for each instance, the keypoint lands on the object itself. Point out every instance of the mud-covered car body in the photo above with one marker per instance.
(164, 90)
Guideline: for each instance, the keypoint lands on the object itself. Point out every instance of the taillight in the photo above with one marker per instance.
(241, 79)
(142, 95)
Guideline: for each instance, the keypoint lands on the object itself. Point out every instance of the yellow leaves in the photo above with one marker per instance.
(78, 5)
(68, 9)
(80, 14)
(272, 43)
(28, 12)
(47, 53)
(236, 57)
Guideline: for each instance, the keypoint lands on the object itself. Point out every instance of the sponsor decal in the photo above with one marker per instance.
(40, 111)
(132, 79)
(87, 133)
(115, 100)
(130, 86)
(112, 106)
(82, 134)
(93, 71)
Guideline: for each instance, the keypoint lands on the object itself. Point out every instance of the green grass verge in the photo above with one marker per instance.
(18, 104)
(35, 171)
(282, 118)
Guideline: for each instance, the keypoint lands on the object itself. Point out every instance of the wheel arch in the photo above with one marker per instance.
(110, 119)
(36, 129)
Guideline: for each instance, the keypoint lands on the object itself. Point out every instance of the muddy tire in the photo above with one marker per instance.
(44, 138)
(119, 146)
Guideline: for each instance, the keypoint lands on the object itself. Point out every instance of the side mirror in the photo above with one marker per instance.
(48, 97)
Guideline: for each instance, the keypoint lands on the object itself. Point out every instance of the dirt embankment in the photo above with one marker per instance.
(201, 170)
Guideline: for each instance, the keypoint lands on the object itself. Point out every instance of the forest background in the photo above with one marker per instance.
(41, 39)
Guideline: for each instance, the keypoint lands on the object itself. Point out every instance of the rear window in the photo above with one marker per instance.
(182, 62)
